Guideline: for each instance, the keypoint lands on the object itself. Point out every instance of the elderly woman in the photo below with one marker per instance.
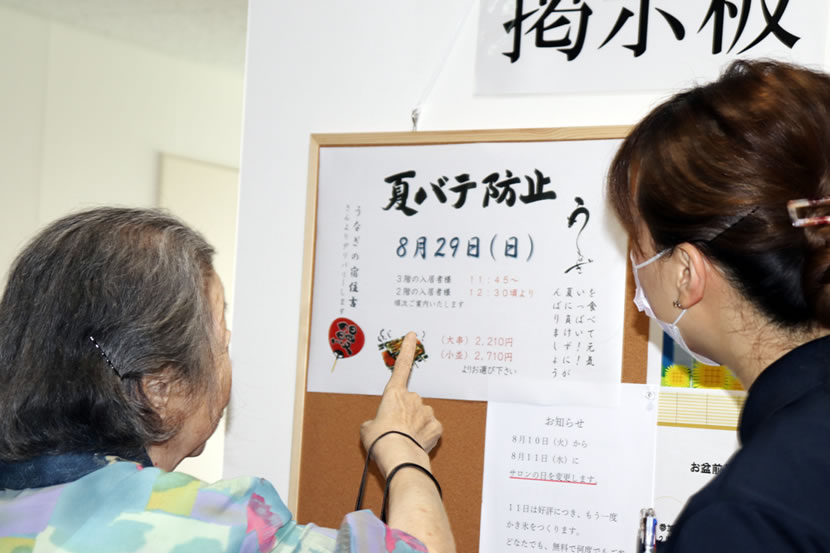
(114, 367)
(724, 190)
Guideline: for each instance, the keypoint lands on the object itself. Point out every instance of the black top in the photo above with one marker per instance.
(50, 470)
(774, 494)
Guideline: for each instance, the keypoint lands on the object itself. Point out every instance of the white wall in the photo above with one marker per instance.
(340, 67)
(83, 119)
(357, 66)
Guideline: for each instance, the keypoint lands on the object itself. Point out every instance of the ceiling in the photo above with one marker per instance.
(205, 31)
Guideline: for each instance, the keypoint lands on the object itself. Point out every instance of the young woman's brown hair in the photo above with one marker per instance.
(715, 166)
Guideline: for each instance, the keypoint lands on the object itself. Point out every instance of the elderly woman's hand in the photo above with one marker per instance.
(404, 411)
(414, 501)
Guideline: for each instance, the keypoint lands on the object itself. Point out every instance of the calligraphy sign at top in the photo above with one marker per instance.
(566, 46)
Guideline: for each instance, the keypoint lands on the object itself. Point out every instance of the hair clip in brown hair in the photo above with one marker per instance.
(794, 205)
(104, 355)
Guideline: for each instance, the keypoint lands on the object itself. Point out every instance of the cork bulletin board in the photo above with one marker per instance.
(327, 457)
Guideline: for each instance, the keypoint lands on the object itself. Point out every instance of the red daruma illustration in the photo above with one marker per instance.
(345, 339)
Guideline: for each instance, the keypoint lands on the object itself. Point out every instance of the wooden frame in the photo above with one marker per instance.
(346, 449)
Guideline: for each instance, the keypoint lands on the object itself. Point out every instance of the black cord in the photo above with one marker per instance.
(366, 464)
(389, 479)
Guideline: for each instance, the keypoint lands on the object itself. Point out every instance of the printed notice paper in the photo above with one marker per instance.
(696, 436)
(503, 258)
(568, 478)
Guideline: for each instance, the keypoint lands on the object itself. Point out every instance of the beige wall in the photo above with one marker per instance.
(23, 58)
(205, 195)
(83, 119)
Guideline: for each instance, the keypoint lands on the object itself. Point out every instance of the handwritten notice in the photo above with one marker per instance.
(568, 478)
(502, 257)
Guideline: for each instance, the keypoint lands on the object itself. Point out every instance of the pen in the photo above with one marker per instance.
(648, 531)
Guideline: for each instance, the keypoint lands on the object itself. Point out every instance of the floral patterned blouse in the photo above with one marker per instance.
(83, 503)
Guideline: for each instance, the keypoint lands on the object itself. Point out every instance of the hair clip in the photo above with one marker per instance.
(104, 355)
(794, 205)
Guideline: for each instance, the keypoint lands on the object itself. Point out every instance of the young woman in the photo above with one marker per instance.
(724, 191)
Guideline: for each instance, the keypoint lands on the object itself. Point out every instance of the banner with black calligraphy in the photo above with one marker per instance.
(555, 46)
(502, 257)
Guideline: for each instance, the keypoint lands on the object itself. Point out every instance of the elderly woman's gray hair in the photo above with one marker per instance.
(98, 301)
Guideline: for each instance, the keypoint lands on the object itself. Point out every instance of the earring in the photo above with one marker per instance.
(677, 304)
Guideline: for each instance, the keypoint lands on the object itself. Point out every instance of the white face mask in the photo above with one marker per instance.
(641, 301)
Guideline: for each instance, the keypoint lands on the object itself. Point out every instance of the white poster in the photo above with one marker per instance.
(554, 46)
(503, 258)
(697, 433)
(568, 478)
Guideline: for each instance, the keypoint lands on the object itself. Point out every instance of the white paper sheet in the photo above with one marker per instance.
(689, 457)
(568, 478)
(697, 432)
(629, 45)
(520, 302)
